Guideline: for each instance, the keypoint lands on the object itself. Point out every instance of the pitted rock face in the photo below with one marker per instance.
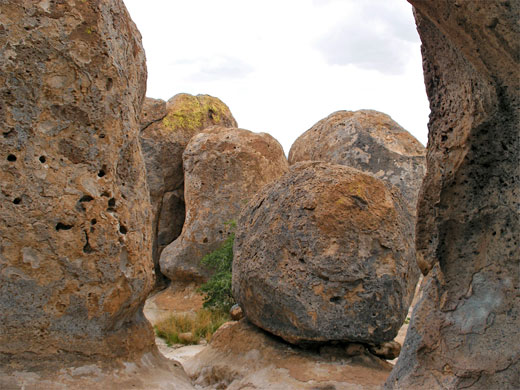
(224, 168)
(369, 141)
(326, 253)
(462, 332)
(166, 128)
(75, 264)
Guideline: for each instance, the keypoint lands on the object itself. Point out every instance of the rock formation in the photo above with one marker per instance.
(326, 253)
(369, 141)
(166, 128)
(75, 264)
(223, 168)
(242, 356)
(464, 330)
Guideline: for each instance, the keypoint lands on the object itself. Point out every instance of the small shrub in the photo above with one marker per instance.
(217, 290)
(202, 325)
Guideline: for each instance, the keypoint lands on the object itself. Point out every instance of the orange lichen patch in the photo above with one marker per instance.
(361, 201)
(352, 296)
(117, 297)
(60, 299)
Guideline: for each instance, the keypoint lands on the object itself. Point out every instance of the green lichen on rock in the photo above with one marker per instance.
(191, 113)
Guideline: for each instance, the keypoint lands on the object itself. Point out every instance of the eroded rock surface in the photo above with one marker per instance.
(369, 141)
(242, 356)
(465, 326)
(224, 168)
(75, 252)
(326, 253)
(166, 128)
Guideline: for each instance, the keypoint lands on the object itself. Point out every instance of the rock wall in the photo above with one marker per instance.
(75, 253)
(166, 129)
(224, 168)
(464, 329)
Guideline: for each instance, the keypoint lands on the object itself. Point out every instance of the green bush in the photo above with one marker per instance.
(217, 290)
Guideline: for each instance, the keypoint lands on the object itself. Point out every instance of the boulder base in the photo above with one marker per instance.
(242, 356)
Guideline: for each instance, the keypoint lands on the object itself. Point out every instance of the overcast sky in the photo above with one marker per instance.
(282, 65)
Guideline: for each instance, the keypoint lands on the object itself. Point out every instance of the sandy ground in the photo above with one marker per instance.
(185, 299)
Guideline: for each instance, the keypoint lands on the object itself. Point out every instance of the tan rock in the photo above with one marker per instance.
(369, 141)
(166, 128)
(236, 313)
(223, 169)
(75, 264)
(325, 253)
(241, 356)
(388, 350)
(464, 329)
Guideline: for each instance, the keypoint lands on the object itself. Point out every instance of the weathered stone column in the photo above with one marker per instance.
(464, 331)
(75, 218)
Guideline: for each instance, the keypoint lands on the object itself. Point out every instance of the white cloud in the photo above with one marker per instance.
(266, 62)
(373, 35)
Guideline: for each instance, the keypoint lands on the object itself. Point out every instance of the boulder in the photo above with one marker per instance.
(326, 253)
(464, 329)
(166, 128)
(369, 141)
(75, 217)
(223, 168)
(242, 356)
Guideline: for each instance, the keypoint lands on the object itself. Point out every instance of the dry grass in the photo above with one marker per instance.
(177, 328)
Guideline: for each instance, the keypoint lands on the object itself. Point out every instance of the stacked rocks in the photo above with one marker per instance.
(166, 128)
(369, 141)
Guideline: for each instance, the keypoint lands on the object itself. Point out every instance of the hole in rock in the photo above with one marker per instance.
(63, 226)
(11, 157)
(93, 221)
(87, 248)
(101, 173)
(205, 240)
(42, 159)
(123, 229)
(17, 200)
(111, 202)
(86, 198)
(335, 299)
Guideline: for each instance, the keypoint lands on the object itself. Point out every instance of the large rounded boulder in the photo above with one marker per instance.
(326, 253)
(166, 129)
(223, 168)
(369, 141)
